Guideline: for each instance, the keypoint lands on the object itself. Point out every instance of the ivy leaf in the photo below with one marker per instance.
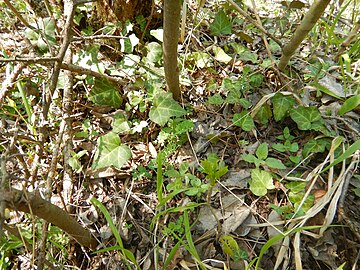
(281, 105)
(220, 55)
(264, 114)
(110, 152)
(314, 146)
(104, 93)
(221, 24)
(260, 182)
(215, 99)
(164, 108)
(154, 54)
(243, 120)
(306, 118)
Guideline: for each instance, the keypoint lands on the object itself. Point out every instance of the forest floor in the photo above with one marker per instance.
(253, 169)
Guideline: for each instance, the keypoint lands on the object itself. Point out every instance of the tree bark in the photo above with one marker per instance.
(32, 203)
(172, 10)
(310, 19)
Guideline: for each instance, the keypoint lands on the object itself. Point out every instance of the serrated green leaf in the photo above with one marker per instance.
(220, 55)
(243, 120)
(221, 24)
(110, 152)
(260, 182)
(104, 93)
(164, 108)
(350, 104)
(275, 163)
(306, 118)
(262, 151)
(281, 105)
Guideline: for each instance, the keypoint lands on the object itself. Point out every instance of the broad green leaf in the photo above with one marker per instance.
(233, 96)
(120, 123)
(164, 108)
(221, 24)
(104, 93)
(305, 117)
(279, 147)
(296, 186)
(216, 99)
(154, 54)
(244, 53)
(314, 146)
(158, 34)
(243, 120)
(350, 104)
(252, 159)
(201, 59)
(260, 182)
(264, 114)
(281, 105)
(110, 152)
(262, 151)
(220, 55)
(275, 163)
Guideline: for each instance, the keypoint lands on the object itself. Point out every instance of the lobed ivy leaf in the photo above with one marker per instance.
(243, 120)
(215, 99)
(110, 152)
(315, 146)
(164, 108)
(306, 118)
(221, 24)
(220, 55)
(104, 93)
(281, 105)
(260, 182)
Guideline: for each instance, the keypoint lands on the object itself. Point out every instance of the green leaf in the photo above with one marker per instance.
(350, 104)
(252, 159)
(243, 120)
(244, 53)
(279, 147)
(120, 123)
(231, 248)
(260, 182)
(351, 150)
(221, 24)
(164, 108)
(154, 54)
(264, 114)
(262, 151)
(306, 118)
(220, 55)
(314, 146)
(296, 186)
(110, 152)
(216, 99)
(275, 163)
(281, 105)
(201, 59)
(104, 93)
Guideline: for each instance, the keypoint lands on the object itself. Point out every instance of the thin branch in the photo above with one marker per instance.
(69, 12)
(254, 22)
